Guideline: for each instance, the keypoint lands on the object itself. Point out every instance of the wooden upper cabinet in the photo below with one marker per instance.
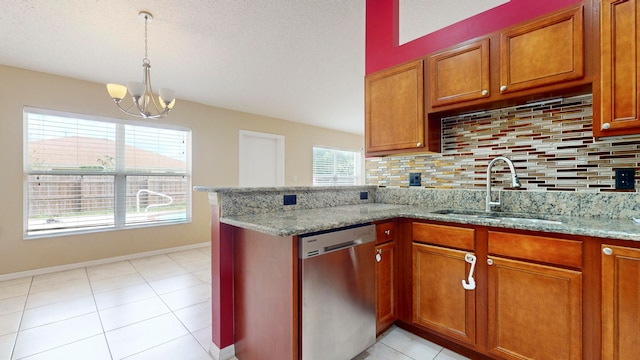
(619, 69)
(394, 109)
(460, 74)
(620, 298)
(543, 52)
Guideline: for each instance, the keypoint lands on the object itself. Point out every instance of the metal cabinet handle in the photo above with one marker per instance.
(485, 92)
(503, 87)
(470, 283)
(378, 255)
(607, 251)
(387, 232)
(419, 144)
(489, 261)
(606, 126)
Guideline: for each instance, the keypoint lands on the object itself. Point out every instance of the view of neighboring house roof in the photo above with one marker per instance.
(96, 153)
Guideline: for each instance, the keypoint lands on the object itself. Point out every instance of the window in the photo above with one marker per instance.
(87, 173)
(335, 167)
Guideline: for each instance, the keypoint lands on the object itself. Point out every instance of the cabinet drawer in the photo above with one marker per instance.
(450, 236)
(536, 248)
(385, 231)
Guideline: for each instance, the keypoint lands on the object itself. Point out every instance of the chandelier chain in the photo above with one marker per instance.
(146, 21)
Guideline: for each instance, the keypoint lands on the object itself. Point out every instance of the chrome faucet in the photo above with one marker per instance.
(515, 183)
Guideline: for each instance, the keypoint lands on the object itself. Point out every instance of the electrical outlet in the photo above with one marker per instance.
(625, 179)
(414, 179)
(290, 199)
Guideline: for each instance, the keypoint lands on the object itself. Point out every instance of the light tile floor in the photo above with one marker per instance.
(157, 307)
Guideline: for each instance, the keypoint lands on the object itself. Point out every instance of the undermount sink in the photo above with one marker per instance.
(531, 218)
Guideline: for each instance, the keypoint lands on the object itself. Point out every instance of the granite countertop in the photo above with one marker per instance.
(289, 223)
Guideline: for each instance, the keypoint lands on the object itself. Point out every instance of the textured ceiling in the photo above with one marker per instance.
(298, 60)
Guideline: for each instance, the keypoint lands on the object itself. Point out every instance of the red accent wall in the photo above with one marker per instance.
(222, 311)
(382, 29)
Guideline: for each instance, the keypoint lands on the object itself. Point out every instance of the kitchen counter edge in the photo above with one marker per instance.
(297, 222)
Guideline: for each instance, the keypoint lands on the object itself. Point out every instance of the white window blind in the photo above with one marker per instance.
(86, 173)
(335, 167)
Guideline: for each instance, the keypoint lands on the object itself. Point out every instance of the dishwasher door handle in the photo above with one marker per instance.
(342, 245)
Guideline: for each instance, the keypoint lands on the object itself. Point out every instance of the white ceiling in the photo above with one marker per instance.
(298, 60)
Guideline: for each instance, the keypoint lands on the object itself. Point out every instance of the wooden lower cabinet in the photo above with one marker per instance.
(386, 286)
(534, 311)
(439, 300)
(528, 299)
(620, 302)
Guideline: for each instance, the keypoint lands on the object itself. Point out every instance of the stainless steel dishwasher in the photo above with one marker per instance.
(337, 287)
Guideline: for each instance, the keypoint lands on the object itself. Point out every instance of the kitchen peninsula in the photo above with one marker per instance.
(255, 295)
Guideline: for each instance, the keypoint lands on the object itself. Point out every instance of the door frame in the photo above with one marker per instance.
(244, 135)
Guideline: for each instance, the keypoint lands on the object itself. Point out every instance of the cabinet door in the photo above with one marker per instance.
(620, 299)
(534, 312)
(619, 69)
(386, 286)
(440, 302)
(459, 74)
(543, 52)
(394, 109)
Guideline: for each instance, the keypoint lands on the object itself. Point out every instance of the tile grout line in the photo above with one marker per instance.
(22, 317)
(24, 308)
(95, 303)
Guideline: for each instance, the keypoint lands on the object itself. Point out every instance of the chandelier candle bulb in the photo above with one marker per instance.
(117, 91)
(167, 96)
(136, 89)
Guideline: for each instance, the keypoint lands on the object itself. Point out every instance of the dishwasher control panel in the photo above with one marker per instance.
(316, 244)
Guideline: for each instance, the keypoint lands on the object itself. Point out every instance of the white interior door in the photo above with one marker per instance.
(261, 159)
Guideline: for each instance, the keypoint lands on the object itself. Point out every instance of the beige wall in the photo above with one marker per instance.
(215, 163)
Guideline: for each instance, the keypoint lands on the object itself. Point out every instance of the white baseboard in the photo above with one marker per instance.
(228, 353)
(52, 269)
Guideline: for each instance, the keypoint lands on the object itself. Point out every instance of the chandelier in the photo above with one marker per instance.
(144, 104)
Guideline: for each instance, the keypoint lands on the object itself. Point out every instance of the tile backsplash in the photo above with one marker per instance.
(550, 143)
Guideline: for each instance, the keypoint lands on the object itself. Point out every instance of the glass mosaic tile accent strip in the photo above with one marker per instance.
(550, 143)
